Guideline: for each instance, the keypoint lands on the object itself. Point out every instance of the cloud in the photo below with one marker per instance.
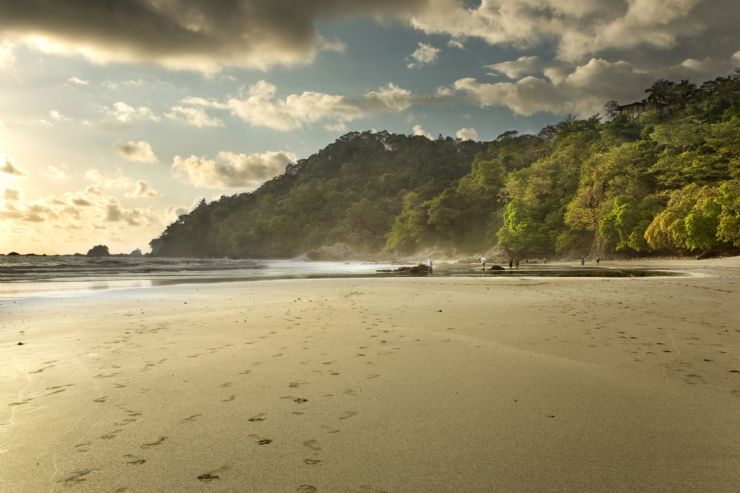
(138, 152)
(76, 210)
(74, 221)
(261, 106)
(143, 189)
(77, 81)
(229, 170)
(129, 83)
(58, 117)
(124, 114)
(56, 172)
(424, 55)
(11, 195)
(562, 88)
(467, 134)
(184, 34)
(9, 168)
(196, 117)
(118, 181)
(583, 28)
(419, 130)
(391, 97)
(7, 55)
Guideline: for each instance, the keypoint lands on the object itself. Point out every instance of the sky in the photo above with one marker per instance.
(117, 117)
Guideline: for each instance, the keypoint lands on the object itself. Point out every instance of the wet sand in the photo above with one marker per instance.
(397, 385)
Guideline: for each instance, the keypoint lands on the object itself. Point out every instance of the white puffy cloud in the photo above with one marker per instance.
(196, 117)
(391, 97)
(58, 117)
(124, 114)
(56, 172)
(7, 167)
(128, 83)
(143, 189)
(102, 182)
(77, 81)
(563, 88)
(525, 97)
(583, 28)
(7, 55)
(230, 170)
(424, 55)
(261, 106)
(467, 134)
(419, 130)
(77, 220)
(136, 151)
(11, 195)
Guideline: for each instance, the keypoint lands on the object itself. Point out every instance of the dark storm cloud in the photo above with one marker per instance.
(181, 32)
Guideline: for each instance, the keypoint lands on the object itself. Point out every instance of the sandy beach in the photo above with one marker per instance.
(368, 385)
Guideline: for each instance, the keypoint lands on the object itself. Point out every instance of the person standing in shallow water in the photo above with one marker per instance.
(483, 263)
(511, 263)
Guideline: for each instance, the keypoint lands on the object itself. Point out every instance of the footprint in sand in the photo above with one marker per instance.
(260, 440)
(306, 488)
(313, 445)
(133, 460)
(76, 477)
(83, 447)
(257, 417)
(211, 475)
(312, 462)
(19, 403)
(101, 399)
(370, 489)
(154, 444)
(229, 399)
(348, 414)
(191, 419)
(109, 436)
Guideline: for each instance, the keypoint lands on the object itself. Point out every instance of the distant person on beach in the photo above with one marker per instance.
(583, 260)
(430, 267)
(511, 263)
(483, 263)
(516, 262)
(598, 259)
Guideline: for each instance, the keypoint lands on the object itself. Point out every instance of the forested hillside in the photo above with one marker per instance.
(657, 176)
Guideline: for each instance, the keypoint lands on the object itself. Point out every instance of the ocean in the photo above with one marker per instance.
(23, 276)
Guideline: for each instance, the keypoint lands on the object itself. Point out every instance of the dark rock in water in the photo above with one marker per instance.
(21, 343)
(98, 251)
(496, 267)
(420, 269)
(135, 253)
(13, 254)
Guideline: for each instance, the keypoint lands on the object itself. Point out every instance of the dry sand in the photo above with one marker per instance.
(398, 385)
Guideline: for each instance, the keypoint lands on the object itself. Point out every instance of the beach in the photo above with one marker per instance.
(419, 384)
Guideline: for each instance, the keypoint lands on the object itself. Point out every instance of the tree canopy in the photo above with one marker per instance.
(661, 175)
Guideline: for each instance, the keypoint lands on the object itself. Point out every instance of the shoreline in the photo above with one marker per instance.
(400, 384)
